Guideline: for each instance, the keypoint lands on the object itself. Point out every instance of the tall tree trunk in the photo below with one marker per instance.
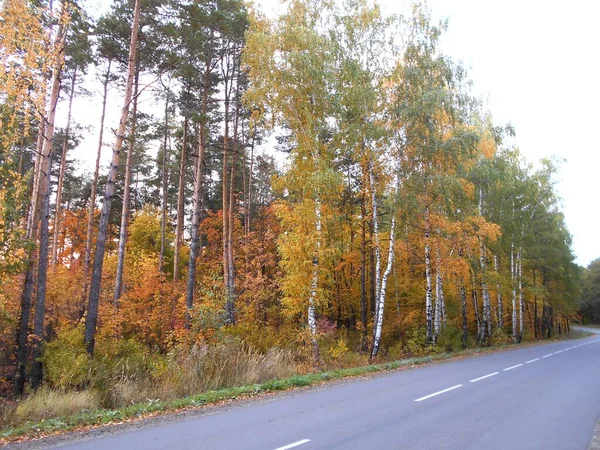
(126, 199)
(439, 294)
(231, 279)
(40, 299)
(26, 295)
(180, 202)
(195, 232)
(485, 293)
(535, 309)
(480, 324)
(41, 205)
(44, 192)
(463, 301)
(312, 299)
(513, 277)
(521, 303)
(250, 179)
(381, 299)
(165, 190)
(225, 210)
(499, 295)
(377, 248)
(61, 175)
(363, 264)
(197, 203)
(429, 339)
(92, 311)
(92, 205)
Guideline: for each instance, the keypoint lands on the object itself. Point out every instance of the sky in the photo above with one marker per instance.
(537, 65)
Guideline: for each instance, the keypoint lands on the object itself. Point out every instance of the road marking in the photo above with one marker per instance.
(438, 393)
(483, 377)
(556, 353)
(293, 444)
(532, 360)
(567, 349)
(547, 356)
(512, 367)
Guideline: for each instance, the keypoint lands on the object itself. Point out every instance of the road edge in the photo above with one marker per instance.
(595, 442)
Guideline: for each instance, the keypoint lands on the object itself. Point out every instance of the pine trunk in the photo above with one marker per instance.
(61, 174)
(44, 190)
(180, 202)
(197, 205)
(165, 190)
(126, 200)
(92, 205)
(42, 279)
(92, 312)
(26, 295)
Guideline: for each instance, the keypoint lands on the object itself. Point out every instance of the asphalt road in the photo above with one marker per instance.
(536, 397)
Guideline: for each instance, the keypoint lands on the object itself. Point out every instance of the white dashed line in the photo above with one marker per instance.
(484, 377)
(293, 444)
(547, 356)
(511, 367)
(438, 393)
(556, 353)
(532, 360)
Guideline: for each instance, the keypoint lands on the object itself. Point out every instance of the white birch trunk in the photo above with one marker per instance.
(437, 323)
(520, 287)
(428, 305)
(381, 299)
(312, 299)
(499, 295)
(514, 292)
(487, 315)
(375, 235)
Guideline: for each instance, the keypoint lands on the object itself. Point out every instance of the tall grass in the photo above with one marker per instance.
(46, 403)
(142, 378)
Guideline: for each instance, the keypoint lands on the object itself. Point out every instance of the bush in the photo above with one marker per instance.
(415, 341)
(66, 363)
(500, 337)
(449, 339)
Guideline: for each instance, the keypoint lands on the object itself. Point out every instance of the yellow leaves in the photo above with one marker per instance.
(24, 60)
(468, 187)
(487, 147)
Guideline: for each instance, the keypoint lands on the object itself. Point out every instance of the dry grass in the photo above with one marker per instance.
(204, 368)
(46, 403)
(219, 366)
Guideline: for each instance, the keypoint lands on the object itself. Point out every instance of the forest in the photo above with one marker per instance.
(283, 195)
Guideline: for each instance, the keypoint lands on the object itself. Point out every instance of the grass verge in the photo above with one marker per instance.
(37, 429)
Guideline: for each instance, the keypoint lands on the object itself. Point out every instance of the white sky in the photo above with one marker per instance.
(537, 63)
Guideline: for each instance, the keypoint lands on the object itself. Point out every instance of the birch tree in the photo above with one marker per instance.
(290, 66)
